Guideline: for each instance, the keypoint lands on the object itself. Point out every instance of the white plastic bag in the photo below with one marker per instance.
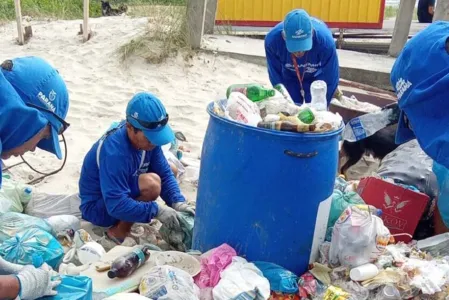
(242, 279)
(168, 283)
(242, 110)
(127, 296)
(63, 223)
(14, 195)
(44, 205)
(12, 223)
(278, 104)
(358, 238)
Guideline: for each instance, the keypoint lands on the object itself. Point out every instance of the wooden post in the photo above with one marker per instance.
(209, 21)
(441, 11)
(86, 30)
(402, 27)
(19, 21)
(196, 11)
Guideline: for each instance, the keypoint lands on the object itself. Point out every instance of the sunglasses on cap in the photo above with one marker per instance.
(65, 125)
(151, 125)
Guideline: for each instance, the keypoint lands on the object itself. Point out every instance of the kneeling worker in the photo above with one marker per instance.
(125, 171)
(299, 51)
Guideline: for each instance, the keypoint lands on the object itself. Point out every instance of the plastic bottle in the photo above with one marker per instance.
(389, 292)
(368, 124)
(364, 272)
(306, 115)
(125, 265)
(318, 90)
(253, 92)
(26, 195)
(286, 126)
(283, 90)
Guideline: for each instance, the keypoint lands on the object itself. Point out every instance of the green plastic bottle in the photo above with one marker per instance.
(306, 115)
(254, 92)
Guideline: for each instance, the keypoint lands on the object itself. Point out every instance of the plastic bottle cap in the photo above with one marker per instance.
(27, 190)
(112, 274)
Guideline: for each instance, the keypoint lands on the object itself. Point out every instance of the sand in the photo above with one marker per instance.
(100, 87)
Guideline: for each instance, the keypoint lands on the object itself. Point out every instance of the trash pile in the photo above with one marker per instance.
(274, 109)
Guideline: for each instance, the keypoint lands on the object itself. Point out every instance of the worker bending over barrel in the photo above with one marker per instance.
(33, 104)
(420, 77)
(126, 170)
(299, 51)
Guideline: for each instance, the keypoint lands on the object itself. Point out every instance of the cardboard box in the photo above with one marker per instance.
(401, 208)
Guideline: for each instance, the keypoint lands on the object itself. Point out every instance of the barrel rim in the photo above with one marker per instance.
(286, 134)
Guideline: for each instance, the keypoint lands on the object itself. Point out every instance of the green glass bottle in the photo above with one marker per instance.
(306, 115)
(254, 92)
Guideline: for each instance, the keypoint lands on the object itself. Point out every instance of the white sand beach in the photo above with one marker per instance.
(100, 87)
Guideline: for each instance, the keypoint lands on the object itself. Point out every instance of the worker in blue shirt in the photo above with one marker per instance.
(33, 105)
(126, 170)
(299, 51)
(420, 77)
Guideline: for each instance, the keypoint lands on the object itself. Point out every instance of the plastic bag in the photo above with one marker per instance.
(277, 104)
(127, 296)
(73, 288)
(429, 276)
(442, 175)
(44, 205)
(11, 223)
(309, 286)
(281, 280)
(358, 238)
(179, 240)
(341, 201)
(213, 263)
(63, 223)
(172, 158)
(31, 243)
(14, 195)
(242, 110)
(242, 280)
(169, 283)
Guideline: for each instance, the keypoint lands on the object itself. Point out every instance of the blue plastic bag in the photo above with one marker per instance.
(281, 280)
(26, 247)
(12, 222)
(73, 288)
(442, 175)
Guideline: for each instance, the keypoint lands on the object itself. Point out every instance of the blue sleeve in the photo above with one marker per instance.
(114, 172)
(273, 63)
(170, 191)
(331, 71)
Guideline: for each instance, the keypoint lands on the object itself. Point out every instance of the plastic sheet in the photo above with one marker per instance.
(168, 283)
(30, 244)
(180, 240)
(242, 280)
(11, 223)
(44, 205)
(212, 264)
(73, 288)
(281, 280)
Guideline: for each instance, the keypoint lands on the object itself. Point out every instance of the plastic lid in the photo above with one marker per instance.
(112, 273)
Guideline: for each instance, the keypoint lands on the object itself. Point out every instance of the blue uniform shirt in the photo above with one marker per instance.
(320, 63)
(108, 191)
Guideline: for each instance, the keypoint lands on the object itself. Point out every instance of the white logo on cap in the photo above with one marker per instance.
(46, 101)
(299, 34)
(402, 86)
(52, 95)
(136, 115)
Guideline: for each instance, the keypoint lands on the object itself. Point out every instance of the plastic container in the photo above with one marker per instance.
(90, 252)
(260, 191)
(318, 90)
(364, 272)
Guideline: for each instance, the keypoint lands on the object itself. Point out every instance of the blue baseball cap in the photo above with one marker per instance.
(146, 112)
(420, 77)
(39, 85)
(298, 31)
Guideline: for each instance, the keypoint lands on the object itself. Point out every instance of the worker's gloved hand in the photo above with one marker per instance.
(7, 268)
(168, 216)
(36, 283)
(184, 207)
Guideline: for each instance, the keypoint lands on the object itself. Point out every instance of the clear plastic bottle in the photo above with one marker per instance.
(389, 292)
(318, 90)
(26, 195)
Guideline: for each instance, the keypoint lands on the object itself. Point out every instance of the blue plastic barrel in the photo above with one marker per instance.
(260, 191)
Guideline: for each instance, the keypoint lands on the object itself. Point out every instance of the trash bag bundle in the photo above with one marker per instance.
(14, 196)
(281, 280)
(358, 238)
(33, 246)
(11, 223)
(179, 239)
(341, 201)
(73, 288)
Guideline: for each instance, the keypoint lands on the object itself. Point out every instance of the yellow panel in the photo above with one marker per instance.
(336, 11)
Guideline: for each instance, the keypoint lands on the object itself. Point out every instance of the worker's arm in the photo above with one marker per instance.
(330, 72)
(114, 173)
(273, 63)
(170, 191)
(9, 287)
